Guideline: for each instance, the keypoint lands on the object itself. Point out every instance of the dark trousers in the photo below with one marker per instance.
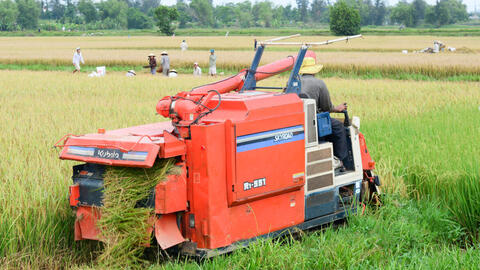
(339, 139)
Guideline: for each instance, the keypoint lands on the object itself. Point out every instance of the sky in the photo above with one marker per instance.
(470, 3)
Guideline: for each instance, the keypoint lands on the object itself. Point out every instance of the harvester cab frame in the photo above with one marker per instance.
(252, 163)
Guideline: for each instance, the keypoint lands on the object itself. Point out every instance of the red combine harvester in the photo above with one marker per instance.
(253, 164)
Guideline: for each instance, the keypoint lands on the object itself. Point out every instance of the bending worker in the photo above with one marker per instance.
(316, 89)
(197, 71)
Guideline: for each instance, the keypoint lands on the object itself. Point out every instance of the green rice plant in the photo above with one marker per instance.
(404, 234)
(438, 159)
(422, 129)
(123, 224)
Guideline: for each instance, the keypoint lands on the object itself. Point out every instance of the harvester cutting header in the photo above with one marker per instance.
(252, 162)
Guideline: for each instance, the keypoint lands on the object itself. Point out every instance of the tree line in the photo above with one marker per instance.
(145, 14)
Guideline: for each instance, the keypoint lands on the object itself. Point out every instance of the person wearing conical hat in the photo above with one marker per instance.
(152, 63)
(165, 62)
(316, 89)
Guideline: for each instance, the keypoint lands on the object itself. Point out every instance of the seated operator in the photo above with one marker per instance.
(316, 89)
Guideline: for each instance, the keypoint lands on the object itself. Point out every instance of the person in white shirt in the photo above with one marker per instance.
(77, 58)
(197, 71)
(436, 47)
(183, 45)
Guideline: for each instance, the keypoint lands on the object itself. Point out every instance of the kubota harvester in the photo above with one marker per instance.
(252, 163)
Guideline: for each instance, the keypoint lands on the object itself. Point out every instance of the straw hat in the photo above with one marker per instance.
(309, 66)
(164, 53)
(151, 54)
(78, 48)
(132, 72)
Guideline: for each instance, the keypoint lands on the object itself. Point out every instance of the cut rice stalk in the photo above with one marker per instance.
(123, 225)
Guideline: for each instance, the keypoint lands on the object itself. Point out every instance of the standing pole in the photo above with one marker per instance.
(313, 43)
(281, 38)
(250, 82)
(294, 85)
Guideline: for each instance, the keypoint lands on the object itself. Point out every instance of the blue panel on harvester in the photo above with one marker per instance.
(324, 124)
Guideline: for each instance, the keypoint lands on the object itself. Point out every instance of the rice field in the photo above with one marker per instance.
(371, 55)
(423, 134)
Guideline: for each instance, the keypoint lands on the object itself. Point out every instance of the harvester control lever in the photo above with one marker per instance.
(346, 122)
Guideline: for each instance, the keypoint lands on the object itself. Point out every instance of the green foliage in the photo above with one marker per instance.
(28, 14)
(403, 234)
(147, 5)
(202, 12)
(8, 15)
(165, 17)
(453, 181)
(88, 10)
(138, 20)
(447, 12)
(402, 13)
(57, 9)
(70, 15)
(225, 14)
(344, 20)
(320, 11)
(113, 13)
(262, 14)
(379, 13)
(244, 15)
(184, 13)
(302, 6)
(419, 8)
(366, 9)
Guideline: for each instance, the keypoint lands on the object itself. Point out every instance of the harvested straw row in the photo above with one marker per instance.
(124, 226)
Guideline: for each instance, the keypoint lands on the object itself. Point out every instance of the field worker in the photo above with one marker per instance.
(131, 73)
(152, 63)
(316, 89)
(441, 46)
(77, 58)
(436, 47)
(183, 45)
(197, 71)
(165, 62)
(172, 73)
(212, 70)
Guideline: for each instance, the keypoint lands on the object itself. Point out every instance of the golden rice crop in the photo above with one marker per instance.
(381, 54)
(378, 43)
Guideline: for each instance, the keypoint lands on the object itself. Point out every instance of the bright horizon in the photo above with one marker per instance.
(470, 3)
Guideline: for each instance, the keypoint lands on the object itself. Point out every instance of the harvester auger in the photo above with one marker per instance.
(254, 163)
